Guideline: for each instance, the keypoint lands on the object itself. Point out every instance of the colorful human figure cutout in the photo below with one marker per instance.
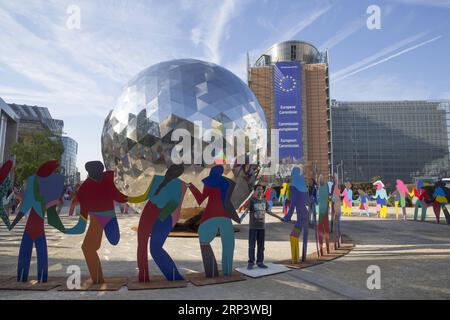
(440, 199)
(363, 203)
(336, 198)
(5, 185)
(271, 196)
(161, 213)
(300, 201)
(96, 196)
(331, 204)
(285, 197)
(421, 200)
(312, 189)
(381, 198)
(401, 192)
(216, 217)
(347, 200)
(42, 194)
(323, 224)
(75, 205)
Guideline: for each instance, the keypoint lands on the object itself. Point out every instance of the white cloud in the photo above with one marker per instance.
(377, 55)
(212, 29)
(305, 22)
(196, 36)
(336, 78)
(78, 73)
(343, 34)
(284, 30)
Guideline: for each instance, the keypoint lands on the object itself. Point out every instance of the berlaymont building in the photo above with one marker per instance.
(291, 83)
(358, 140)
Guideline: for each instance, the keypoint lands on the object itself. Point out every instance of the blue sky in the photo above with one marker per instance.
(78, 74)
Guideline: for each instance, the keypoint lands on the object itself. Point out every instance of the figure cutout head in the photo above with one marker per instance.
(336, 178)
(216, 180)
(440, 184)
(348, 185)
(321, 180)
(216, 171)
(378, 185)
(95, 170)
(361, 192)
(172, 173)
(298, 180)
(47, 168)
(401, 187)
(419, 184)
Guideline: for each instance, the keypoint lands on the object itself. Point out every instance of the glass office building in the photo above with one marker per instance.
(391, 139)
(69, 160)
(34, 119)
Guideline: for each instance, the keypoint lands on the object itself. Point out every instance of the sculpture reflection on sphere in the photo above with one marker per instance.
(136, 138)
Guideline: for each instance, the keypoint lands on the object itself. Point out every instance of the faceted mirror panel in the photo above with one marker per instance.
(136, 138)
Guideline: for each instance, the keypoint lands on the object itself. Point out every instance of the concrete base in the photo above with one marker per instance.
(259, 272)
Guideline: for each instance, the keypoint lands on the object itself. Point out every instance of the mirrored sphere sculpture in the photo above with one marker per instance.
(136, 138)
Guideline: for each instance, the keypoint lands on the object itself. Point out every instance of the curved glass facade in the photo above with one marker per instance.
(290, 51)
(69, 160)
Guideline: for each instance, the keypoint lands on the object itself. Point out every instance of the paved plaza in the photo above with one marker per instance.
(413, 257)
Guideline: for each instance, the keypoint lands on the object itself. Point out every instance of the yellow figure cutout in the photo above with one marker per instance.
(347, 200)
(396, 209)
(295, 249)
(383, 212)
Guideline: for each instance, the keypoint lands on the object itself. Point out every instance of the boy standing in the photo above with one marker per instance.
(257, 207)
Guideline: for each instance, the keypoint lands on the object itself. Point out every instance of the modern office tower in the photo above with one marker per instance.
(34, 118)
(291, 82)
(8, 130)
(391, 139)
(69, 160)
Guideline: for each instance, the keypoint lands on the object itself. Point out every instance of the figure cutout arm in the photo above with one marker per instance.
(246, 202)
(5, 202)
(199, 196)
(248, 208)
(142, 197)
(80, 227)
(270, 213)
(26, 203)
(289, 214)
(54, 219)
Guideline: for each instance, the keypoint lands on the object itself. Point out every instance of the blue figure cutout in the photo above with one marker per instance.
(216, 218)
(336, 212)
(164, 197)
(42, 194)
(313, 210)
(300, 201)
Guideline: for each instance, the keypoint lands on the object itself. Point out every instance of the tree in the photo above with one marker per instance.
(33, 150)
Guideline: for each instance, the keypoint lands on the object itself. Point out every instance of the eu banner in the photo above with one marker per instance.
(288, 109)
